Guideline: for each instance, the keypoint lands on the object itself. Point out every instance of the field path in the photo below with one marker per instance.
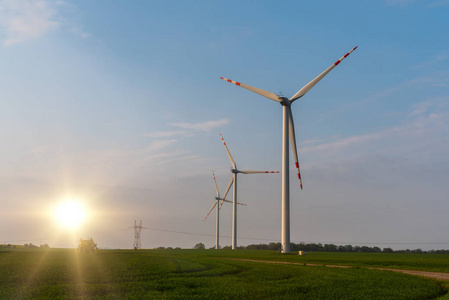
(434, 275)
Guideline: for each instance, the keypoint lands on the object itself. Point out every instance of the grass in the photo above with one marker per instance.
(196, 274)
(422, 262)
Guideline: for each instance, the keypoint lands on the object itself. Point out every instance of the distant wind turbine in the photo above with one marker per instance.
(288, 129)
(217, 198)
(233, 180)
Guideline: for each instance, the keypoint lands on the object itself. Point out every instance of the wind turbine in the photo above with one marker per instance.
(233, 180)
(288, 129)
(217, 198)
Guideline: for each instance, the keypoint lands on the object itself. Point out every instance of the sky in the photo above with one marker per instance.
(119, 105)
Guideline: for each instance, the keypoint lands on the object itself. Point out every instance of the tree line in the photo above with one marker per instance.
(314, 247)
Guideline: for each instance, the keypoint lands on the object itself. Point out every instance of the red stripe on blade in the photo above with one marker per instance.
(337, 62)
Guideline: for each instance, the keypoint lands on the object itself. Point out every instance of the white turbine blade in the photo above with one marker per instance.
(216, 187)
(293, 141)
(261, 92)
(256, 172)
(311, 84)
(233, 202)
(227, 190)
(229, 154)
(215, 204)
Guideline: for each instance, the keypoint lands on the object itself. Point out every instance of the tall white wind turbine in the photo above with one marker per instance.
(288, 129)
(233, 180)
(217, 198)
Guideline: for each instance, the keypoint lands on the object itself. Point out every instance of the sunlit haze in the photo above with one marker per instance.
(70, 213)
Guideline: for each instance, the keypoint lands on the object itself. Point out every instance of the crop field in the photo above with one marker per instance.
(212, 274)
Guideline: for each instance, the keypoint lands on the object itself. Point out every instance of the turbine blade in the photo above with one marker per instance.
(227, 190)
(216, 187)
(311, 84)
(233, 202)
(261, 92)
(229, 153)
(210, 210)
(256, 172)
(293, 141)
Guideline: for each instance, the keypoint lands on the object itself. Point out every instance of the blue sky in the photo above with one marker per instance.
(119, 104)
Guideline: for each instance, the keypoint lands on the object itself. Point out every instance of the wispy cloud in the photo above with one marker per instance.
(398, 2)
(189, 128)
(202, 126)
(438, 3)
(165, 134)
(423, 133)
(24, 20)
(160, 144)
(80, 32)
(435, 60)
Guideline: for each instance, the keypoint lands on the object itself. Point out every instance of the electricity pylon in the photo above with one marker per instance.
(137, 229)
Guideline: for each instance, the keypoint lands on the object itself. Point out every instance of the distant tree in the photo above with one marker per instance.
(274, 246)
(387, 250)
(366, 249)
(376, 249)
(199, 246)
(226, 248)
(330, 248)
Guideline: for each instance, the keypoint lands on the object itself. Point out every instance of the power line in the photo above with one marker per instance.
(248, 238)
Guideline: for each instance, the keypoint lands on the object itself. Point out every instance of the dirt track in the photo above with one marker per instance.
(434, 275)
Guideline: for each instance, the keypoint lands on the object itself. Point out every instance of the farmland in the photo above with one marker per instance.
(208, 274)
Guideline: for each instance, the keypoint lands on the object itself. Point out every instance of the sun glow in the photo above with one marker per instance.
(70, 214)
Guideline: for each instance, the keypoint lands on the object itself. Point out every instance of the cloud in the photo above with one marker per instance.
(399, 2)
(189, 128)
(24, 20)
(436, 60)
(80, 32)
(160, 144)
(424, 133)
(165, 134)
(438, 3)
(202, 126)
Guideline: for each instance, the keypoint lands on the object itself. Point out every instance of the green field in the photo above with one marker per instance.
(209, 274)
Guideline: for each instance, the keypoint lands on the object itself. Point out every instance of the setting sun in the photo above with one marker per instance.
(70, 214)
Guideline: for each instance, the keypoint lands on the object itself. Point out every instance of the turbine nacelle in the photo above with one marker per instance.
(284, 101)
(235, 171)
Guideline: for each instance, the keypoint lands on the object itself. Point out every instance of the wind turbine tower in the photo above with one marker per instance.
(288, 132)
(233, 180)
(217, 207)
